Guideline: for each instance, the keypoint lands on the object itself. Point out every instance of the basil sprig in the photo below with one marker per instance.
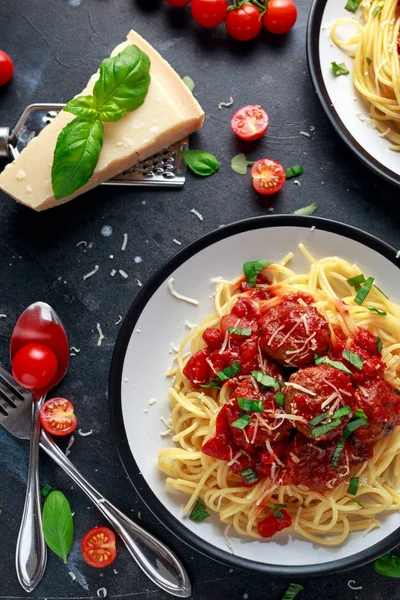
(122, 86)
(58, 526)
(388, 565)
(199, 512)
(239, 164)
(354, 359)
(252, 268)
(200, 162)
(339, 69)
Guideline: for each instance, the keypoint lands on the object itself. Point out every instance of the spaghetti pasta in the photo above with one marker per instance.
(324, 517)
(376, 72)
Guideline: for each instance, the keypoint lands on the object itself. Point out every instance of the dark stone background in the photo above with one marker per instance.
(55, 46)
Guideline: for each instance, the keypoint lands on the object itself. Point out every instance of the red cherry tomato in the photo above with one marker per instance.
(280, 17)
(6, 68)
(34, 366)
(178, 2)
(209, 13)
(244, 23)
(98, 547)
(268, 176)
(57, 416)
(250, 122)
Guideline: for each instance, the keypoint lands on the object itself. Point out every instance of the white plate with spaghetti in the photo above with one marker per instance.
(362, 105)
(351, 517)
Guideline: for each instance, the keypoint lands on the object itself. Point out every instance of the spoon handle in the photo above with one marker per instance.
(31, 552)
(157, 561)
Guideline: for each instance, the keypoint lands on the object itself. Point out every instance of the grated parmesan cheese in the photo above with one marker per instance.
(226, 104)
(91, 273)
(82, 243)
(152, 401)
(3, 316)
(102, 592)
(198, 215)
(354, 587)
(124, 243)
(123, 274)
(190, 325)
(177, 242)
(113, 272)
(68, 448)
(85, 433)
(101, 336)
(300, 388)
(227, 540)
(305, 133)
(180, 296)
(397, 256)
(119, 320)
(73, 577)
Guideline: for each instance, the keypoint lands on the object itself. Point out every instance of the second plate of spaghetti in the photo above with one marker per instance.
(354, 64)
(255, 395)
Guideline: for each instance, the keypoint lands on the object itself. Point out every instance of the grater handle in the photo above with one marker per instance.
(5, 145)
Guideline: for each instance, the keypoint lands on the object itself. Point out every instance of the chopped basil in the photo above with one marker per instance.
(199, 512)
(376, 10)
(240, 330)
(379, 344)
(250, 405)
(252, 268)
(339, 69)
(353, 486)
(318, 419)
(292, 591)
(188, 81)
(241, 422)
(342, 412)
(369, 61)
(378, 311)
(294, 171)
(364, 291)
(45, 491)
(359, 420)
(360, 414)
(352, 5)
(249, 475)
(360, 504)
(230, 371)
(324, 360)
(306, 210)
(338, 451)
(239, 164)
(388, 565)
(213, 383)
(322, 429)
(1, 511)
(277, 512)
(267, 381)
(353, 425)
(356, 281)
(280, 399)
(379, 290)
(353, 358)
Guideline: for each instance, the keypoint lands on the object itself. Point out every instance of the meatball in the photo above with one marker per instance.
(364, 344)
(328, 388)
(309, 466)
(292, 334)
(381, 403)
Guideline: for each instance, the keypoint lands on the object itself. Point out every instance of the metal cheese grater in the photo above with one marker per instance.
(165, 168)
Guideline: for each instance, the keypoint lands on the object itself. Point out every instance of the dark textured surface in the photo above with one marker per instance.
(56, 46)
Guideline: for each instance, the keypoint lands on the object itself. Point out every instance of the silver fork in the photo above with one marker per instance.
(157, 561)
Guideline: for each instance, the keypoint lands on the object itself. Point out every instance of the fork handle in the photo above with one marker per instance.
(31, 551)
(157, 561)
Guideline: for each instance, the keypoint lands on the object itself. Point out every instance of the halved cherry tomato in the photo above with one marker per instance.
(244, 23)
(178, 2)
(34, 366)
(281, 15)
(98, 547)
(6, 68)
(268, 176)
(250, 122)
(209, 13)
(57, 416)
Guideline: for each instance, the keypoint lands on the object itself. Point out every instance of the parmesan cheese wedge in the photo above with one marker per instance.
(170, 112)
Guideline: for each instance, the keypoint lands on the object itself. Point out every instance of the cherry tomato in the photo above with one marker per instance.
(280, 17)
(178, 2)
(250, 122)
(98, 547)
(244, 23)
(209, 13)
(268, 176)
(34, 366)
(57, 416)
(6, 68)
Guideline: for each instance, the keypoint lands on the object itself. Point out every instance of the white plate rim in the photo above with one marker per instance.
(314, 65)
(139, 483)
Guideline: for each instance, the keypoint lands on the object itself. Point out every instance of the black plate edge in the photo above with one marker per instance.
(117, 425)
(314, 67)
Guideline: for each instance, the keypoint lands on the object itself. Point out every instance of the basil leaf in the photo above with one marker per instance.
(111, 113)
(364, 291)
(378, 311)
(360, 504)
(306, 210)
(292, 591)
(379, 344)
(335, 458)
(188, 81)
(369, 61)
(360, 414)
(376, 10)
(83, 106)
(252, 268)
(213, 383)
(45, 491)
(250, 405)
(388, 565)
(249, 475)
(342, 412)
(324, 360)
(353, 486)
(75, 156)
(200, 162)
(353, 358)
(324, 428)
(199, 512)
(280, 399)
(267, 381)
(318, 419)
(124, 81)
(239, 164)
(357, 280)
(277, 512)
(339, 69)
(241, 422)
(352, 5)
(294, 171)
(230, 371)
(353, 425)
(58, 526)
(245, 331)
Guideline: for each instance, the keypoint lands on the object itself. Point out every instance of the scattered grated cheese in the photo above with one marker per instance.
(72, 349)
(115, 571)
(272, 453)
(119, 320)
(305, 133)
(313, 228)
(226, 104)
(397, 256)
(152, 401)
(190, 325)
(198, 215)
(82, 243)
(70, 573)
(227, 540)
(68, 448)
(101, 336)
(297, 182)
(85, 433)
(354, 587)
(384, 132)
(168, 425)
(294, 458)
(180, 296)
(20, 175)
(137, 259)
(102, 592)
(123, 274)
(113, 272)
(3, 316)
(271, 209)
(91, 273)
(312, 128)
(124, 243)
(300, 388)
(177, 242)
